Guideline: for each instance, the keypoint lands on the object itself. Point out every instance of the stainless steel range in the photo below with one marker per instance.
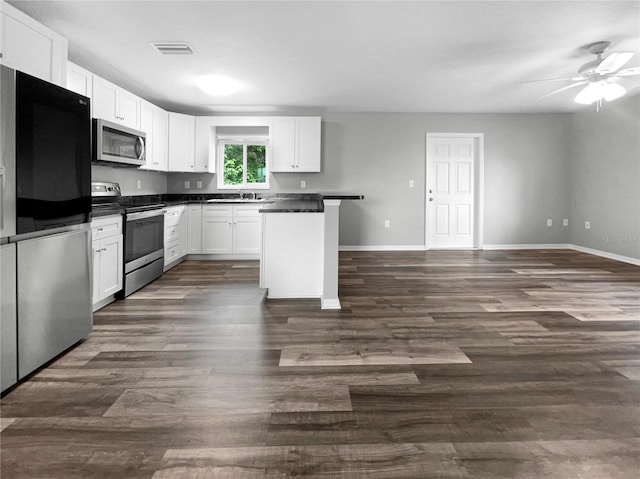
(143, 237)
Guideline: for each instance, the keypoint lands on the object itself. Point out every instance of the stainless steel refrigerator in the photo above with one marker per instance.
(45, 236)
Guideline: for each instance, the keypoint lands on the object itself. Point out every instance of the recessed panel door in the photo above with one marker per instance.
(450, 193)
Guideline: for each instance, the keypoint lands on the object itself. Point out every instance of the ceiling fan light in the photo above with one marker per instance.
(613, 91)
(589, 94)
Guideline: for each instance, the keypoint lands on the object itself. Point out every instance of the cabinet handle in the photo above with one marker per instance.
(103, 249)
(99, 229)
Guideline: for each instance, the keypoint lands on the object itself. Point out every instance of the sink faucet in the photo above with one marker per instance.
(241, 193)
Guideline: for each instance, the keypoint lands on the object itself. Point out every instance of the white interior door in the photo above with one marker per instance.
(450, 192)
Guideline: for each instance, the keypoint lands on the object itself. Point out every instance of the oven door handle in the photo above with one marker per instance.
(145, 214)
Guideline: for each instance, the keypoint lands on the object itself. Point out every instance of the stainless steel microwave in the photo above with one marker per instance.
(117, 145)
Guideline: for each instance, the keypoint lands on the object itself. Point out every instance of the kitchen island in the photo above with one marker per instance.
(300, 247)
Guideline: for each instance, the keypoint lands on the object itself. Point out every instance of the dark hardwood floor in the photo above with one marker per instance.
(468, 364)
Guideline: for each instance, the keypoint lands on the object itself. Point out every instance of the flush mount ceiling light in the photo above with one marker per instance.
(219, 85)
(598, 91)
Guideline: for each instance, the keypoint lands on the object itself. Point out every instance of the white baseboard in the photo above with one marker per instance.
(382, 248)
(526, 246)
(604, 254)
(333, 303)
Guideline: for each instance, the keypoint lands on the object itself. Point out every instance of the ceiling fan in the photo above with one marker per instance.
(596, 75)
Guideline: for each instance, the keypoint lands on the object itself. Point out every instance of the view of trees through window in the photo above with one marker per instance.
(244, 164)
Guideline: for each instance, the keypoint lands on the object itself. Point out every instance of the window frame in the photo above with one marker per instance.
(244, 141)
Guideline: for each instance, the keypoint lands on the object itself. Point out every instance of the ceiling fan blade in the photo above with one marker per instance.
(553, 79)
(614, 62)
(563, 89)
(627, 72)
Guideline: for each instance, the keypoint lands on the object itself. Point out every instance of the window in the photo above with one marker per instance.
(242, 163)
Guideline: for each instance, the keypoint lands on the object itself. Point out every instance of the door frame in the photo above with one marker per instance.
(478, 210)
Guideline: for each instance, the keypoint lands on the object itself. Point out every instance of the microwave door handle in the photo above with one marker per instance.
(140, 147)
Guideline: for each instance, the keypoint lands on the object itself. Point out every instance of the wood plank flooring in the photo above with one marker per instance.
(466, 364)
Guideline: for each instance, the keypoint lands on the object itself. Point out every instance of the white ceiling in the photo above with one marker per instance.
(384, 56)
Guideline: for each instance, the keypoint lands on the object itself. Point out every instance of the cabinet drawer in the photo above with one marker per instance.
(171, 233)
(210, 211)
(172, 216)
(171, 252)
(106, 227)
(247, 210)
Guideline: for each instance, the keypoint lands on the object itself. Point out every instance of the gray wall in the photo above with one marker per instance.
(151, 182)
(582, 166)
(605, 177)
(526, 173)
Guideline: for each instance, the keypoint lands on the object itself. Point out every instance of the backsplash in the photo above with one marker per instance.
(151, 182)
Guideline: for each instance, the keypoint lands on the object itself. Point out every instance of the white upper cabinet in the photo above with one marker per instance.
(182, 142)
(154, 121)
(29, 46)
(110, 102)
(295, 144)
(205, 146)
(79, 80)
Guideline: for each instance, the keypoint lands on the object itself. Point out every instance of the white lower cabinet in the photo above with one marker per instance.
(107, 258)
(194, 229)
(175, 239)
(231, 230)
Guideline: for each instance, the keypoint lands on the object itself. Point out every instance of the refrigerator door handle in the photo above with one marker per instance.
(2, 180)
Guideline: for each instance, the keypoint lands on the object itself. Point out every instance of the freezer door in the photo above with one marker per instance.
(54, 296)
(8, 322)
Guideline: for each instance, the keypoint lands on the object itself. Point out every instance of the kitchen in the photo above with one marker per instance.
(354, 148)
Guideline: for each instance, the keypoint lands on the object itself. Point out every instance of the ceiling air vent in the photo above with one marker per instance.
(173, 48)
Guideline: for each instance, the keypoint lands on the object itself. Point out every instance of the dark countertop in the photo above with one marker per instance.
(293, 205)
(277, 202)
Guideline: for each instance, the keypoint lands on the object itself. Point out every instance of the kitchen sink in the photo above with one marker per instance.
(237, 200)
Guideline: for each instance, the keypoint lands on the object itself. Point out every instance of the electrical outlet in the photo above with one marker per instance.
(187, 185)
(199, 184)
(138, 184)
(587, 225)
(303, 184)
(411, 184)
(565, 222)
(387, 223)
(549, 222)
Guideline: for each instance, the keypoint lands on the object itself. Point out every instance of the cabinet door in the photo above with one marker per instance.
(194, 226)
(128, 109)
(79, 79)
(29, 46)
(308, 144)
(205, 146)
(105, 99)
(160, 138)
(181, 142)
(246, 234)
(146, 125)
(217, 235)
(110, 265)
(283, 145)
(184, 232)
